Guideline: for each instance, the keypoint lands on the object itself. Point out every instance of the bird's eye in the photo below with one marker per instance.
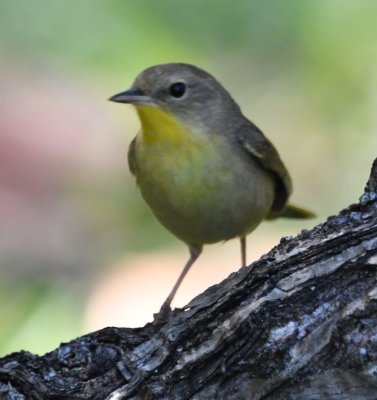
(177, 89)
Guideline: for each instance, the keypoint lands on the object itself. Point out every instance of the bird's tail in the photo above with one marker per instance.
(292, 211)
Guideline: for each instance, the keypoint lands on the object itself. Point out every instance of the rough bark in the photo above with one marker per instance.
(300, 323)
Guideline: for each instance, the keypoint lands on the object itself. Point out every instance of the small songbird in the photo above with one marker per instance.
(205, 170)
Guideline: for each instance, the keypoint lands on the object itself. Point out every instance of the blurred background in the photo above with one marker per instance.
(79, 249)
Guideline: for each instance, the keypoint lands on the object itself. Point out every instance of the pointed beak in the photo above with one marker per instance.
(132, 96)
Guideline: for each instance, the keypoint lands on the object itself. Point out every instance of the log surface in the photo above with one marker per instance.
(300, 323)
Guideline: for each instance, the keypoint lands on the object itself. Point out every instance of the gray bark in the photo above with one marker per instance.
(300, 323)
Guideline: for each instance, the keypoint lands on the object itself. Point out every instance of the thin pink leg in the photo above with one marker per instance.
(243, 251)
(194, 254)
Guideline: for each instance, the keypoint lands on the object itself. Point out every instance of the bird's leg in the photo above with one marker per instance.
(194, 254)
(243, 251)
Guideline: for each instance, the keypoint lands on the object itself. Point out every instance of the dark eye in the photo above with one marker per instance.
(177, 89)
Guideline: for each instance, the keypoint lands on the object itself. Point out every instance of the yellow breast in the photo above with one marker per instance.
(167, 148)
(194, 182)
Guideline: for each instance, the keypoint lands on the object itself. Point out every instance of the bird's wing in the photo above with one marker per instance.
(258, 146)
(131, 156)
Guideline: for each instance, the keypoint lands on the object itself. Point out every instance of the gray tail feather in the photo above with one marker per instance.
(292, 211)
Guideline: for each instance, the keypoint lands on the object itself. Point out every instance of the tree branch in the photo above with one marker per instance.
(300, 323)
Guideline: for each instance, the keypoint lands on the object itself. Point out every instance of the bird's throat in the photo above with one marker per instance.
(158, 125)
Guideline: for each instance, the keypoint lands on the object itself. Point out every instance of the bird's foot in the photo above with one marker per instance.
(163, 314)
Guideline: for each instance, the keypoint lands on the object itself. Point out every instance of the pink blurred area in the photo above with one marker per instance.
(53, 137)
(131, 291)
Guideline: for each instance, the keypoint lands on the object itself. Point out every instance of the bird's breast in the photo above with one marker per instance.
(185, 169)
(198, 186)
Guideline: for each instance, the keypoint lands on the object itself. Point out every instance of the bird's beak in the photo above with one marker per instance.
(132, 96)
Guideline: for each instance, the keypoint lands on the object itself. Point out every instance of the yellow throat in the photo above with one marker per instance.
(158, 125)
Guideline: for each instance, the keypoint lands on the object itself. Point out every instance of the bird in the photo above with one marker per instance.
(206, 171)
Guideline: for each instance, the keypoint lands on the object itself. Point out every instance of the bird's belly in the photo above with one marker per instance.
(201, 195)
